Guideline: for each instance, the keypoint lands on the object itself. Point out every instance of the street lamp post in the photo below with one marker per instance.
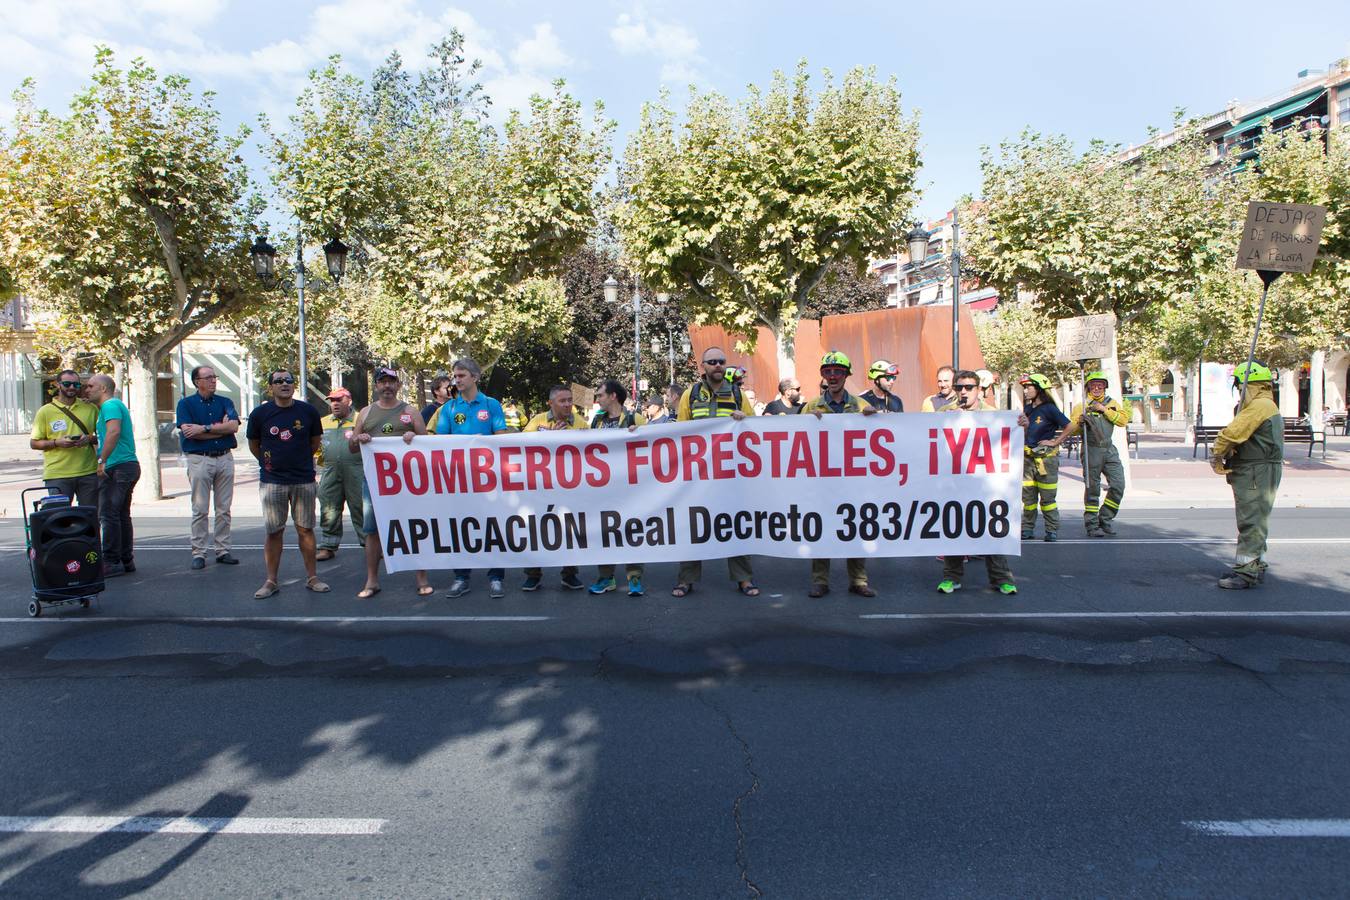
(670, 337)
(612, 296)
(264, 266)
(918, 252)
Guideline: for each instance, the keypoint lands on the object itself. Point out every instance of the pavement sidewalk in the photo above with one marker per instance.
(1163, 476)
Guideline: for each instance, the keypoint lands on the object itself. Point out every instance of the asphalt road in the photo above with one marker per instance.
(560, 745)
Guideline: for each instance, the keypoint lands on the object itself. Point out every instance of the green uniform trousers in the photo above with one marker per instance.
(953, 567)
(857, 572)
(737, 566)
(339, 485)
(1254, 488)
(536, 572)
(1098, 462)
(1040, 490)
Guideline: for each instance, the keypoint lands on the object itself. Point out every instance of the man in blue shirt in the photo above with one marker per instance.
(207, 423)
(471, 412)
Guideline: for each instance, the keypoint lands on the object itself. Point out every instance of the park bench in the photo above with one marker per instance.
(1297, 432)
(1337, 422)
(1074, 444)
(1204, 436)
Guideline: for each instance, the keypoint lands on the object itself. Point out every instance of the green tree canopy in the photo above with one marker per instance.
(744, 207)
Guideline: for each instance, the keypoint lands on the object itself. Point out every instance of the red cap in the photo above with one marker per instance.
(339, 394)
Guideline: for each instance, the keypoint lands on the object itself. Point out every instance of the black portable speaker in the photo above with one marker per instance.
(66, 554)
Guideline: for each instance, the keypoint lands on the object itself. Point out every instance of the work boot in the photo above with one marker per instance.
(1236, 582)
(1028, 534)
(1095, 532)
(1051, 537)
(817, 591)
(1107, 529)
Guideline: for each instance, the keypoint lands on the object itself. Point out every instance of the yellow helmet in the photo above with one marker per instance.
(836, 360)
(1034, 378)
(1096, 376)
(882, 369)
(1251, 373)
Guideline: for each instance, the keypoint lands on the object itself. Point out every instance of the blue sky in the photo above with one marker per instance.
(978, 72)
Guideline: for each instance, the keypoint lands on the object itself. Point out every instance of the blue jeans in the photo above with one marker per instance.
(114, 511)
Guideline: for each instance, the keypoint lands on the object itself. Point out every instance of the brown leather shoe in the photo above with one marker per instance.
(817, 591)
(324, 553)
(862, 590)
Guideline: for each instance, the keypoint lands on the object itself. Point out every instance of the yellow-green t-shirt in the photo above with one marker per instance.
(53, 421)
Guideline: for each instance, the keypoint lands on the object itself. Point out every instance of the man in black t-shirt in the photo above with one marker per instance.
(789, 400)
(283, 435)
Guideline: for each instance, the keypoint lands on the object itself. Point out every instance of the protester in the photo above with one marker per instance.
(655, 412)
(674, 392)
(882, 374)
(613, 415)
(712, 396)
(560, 415)
(388, 416)
(118, 472)
(514, 416)
(966, 386)
(472, 412)
(835, 367)
(789, 400)
(207, 423)
(1100, 457)
(1040, 463)
(945, 395)
(341, 478)
(440, 392)
(754, 402)
(283, 435)
(1249, 452)
(63, 430)
(987, 387)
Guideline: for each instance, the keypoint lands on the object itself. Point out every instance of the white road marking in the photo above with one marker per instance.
(1145, 614)
(1304, 828)
(250, 620)
(189, 825)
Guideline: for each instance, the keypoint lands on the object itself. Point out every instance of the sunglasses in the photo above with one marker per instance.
(206, 377)
(714, 362)
(966, 387)
(283, 381)
(70, 384)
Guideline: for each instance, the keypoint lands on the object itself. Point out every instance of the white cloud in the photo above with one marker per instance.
(541, 53)
(672, 44)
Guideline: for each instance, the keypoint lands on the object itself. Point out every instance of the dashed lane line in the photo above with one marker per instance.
(1283, 828)
(1143, 614)
(253, 620)
(189, 825)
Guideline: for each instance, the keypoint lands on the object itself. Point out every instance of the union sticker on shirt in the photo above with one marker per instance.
(482, 415)
(274, 431)
(406, 418)
(59, 425)
(286, 435)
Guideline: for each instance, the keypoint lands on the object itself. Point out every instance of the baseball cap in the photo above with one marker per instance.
(339, 394)
(386, 372)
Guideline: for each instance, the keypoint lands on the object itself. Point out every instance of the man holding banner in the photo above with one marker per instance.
(612, 414)
(713, 396)
(559, 416)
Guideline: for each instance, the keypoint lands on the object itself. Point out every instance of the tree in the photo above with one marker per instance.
(130, 218)
(1020, 338)
(746, 207)
(462, 231)
(844, 290)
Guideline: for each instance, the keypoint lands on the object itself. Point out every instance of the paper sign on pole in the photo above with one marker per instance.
(1085, 337)
(1281, 237)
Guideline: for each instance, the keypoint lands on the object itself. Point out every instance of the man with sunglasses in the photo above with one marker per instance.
(64, 431)
(711, 397)
(207, 424)
(284, 434)
(970, 398)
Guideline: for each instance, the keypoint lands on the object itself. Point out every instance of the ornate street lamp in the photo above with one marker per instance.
(335, 254)
(918, 252)
(264, 260)
(612, 296)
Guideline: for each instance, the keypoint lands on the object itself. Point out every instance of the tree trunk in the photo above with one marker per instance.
(785, 349)
(142, 378)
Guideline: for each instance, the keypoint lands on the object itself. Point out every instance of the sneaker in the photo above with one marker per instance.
(603, 585)
(1051, 537)
(495, 589)
(1107, 529)
(530, 584)
(129, 566)
(1007, 588)
(946, 586)
(1028, 535)
(571, 582)
(226, 559)
(198, 562)
(112, 570)
(635, 587)
(458, 588)
(1235, 582)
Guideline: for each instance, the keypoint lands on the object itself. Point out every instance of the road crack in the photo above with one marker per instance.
(738, 805)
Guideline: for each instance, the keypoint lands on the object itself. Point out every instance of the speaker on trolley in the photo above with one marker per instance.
(65, 551)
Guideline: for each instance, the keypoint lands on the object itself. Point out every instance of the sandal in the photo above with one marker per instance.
(683, 589)
(313, 583)
(748, 588)
(425, 590)
(367, 592)
(268, 588)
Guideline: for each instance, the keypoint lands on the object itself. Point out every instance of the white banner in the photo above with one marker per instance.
(913, 484)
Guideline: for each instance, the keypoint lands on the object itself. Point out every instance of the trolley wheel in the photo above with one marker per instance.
(34, 609)
(84, 601)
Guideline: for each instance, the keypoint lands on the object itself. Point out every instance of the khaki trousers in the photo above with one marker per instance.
(211, 476)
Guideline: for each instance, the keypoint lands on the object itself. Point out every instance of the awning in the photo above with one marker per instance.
(984, 304)
(1288, 109)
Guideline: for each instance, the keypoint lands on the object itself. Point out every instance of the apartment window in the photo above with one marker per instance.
(1343, 107)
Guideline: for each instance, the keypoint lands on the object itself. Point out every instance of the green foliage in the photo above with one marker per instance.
(744, 207)
(1020, 338)
(844, 290)
(129, 217)
(461, 231)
